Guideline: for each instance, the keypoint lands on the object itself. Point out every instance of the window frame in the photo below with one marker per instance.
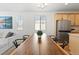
(40, 18)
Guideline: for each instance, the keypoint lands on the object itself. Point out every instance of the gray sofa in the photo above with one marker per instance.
(7, 42)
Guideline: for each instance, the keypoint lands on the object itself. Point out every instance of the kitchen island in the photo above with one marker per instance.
(74, 43)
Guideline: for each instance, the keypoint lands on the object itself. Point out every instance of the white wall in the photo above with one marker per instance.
(28, 22)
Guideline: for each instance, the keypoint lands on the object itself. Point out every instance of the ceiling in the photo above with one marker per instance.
(26, 7)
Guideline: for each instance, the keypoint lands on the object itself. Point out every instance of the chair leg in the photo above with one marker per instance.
(65, 43)
(16, 45)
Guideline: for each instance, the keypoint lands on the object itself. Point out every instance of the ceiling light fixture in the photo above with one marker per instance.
(42, 5)
(66, 3)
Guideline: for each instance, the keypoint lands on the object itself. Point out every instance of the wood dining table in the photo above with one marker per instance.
(35, 46)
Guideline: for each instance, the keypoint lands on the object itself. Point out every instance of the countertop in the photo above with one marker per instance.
(74, 34)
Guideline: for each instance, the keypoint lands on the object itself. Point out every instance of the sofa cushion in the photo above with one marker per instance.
(3, 34)
(9, 34)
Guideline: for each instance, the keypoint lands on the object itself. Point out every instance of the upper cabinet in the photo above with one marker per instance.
(64, 16)
(76, 19)
(73, 17)
(58, 16)
(61, 16)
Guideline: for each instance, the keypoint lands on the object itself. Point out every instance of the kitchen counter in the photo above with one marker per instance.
(74, 43)
(75, 31)
(74, 34)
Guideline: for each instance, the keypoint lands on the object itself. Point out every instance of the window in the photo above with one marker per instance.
(40, 23)
(37, 24)
(20, 23)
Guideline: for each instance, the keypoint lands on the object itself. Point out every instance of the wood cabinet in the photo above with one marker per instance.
(74, 43)
(58, 17)
(65, 16)
(61, 16)
(77, 19)
(73, 17)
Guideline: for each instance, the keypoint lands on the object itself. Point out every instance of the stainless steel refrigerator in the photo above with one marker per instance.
(63, 27)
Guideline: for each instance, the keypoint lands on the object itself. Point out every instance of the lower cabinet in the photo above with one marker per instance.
(74, 44)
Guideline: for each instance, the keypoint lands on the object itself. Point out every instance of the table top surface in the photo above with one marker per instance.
(35, 46)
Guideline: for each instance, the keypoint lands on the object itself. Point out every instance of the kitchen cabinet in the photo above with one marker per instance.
(71, 17)
(58, 17)
(68, 16)
(76, 19)
(65, 16)
(74, 43)
(61, 16)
